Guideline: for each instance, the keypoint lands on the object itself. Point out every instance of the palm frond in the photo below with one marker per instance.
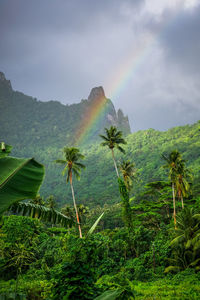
(105, 144)
(104, 138)
(194, 263)
(80, 165)
(72, 157)
(177, 240)
(121, 149)
(60, 161)
(64, 170)
(113, 138)
(120, 141)
(77, 174)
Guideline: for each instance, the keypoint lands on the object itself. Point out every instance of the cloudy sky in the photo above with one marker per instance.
(145, 53)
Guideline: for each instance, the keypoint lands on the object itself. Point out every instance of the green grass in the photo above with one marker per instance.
(187, 289)
(183, 286)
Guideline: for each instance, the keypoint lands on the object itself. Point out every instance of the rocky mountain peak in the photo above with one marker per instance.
(110, 116)
(96, 93)
(4, 82)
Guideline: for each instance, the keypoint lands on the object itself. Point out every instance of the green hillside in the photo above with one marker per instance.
(138, 251)
(144, 148)
(41, 129)
(25, 121)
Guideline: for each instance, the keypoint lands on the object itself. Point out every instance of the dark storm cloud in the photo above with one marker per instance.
(181, 41)
(61, 15)
(61, 49)
(172, 96)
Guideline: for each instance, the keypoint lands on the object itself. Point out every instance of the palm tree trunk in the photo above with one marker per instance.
(75, 207)
(180, 196)
(174, 204)
(182, 201)
(115, 163)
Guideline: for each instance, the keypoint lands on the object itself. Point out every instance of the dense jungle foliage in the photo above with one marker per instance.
(144, 148)
(136, 250)
(132, 235)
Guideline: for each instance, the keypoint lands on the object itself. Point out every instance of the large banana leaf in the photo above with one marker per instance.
(19, 179)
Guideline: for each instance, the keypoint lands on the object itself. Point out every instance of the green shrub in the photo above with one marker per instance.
(76, 280)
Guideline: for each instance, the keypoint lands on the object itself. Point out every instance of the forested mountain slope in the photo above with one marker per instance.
(25, 121)
(41, 130)
(98, 184)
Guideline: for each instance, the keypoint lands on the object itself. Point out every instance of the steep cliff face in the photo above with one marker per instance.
(24, 120)
(123, 122)
(5, 85)
(104, 112)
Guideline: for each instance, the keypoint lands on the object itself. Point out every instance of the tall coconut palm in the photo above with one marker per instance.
(182, 181)
(72, 166)
(113, 139)
(128, 171)
(172, 163)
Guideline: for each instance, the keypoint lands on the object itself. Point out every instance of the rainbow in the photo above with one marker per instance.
(127, 69)
(96, 110)
(90, 119)
(134, 59)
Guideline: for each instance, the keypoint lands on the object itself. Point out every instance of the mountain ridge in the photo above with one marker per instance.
(52, 118)
(39, 134)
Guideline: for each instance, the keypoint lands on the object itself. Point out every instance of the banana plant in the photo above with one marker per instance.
(19, 178)
(42, 213)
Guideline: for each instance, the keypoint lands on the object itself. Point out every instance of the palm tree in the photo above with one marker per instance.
(172, 163)
(112, 139)
(72, 166)
(186, 242)
(128, 171)
(182, 181)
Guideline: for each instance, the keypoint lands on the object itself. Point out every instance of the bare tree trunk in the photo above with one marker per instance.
(75, 207)
(115, 163)
(174, 204)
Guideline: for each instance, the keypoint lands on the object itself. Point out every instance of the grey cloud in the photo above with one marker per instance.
(64, 15)
(181, 39)
(61, 49)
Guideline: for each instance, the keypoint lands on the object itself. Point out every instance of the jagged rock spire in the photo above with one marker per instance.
(96, 93)
(4, 82)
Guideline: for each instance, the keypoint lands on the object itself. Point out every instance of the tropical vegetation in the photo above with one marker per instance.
(129, 247)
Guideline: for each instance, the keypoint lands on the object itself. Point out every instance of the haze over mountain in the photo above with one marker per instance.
(24, 120)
